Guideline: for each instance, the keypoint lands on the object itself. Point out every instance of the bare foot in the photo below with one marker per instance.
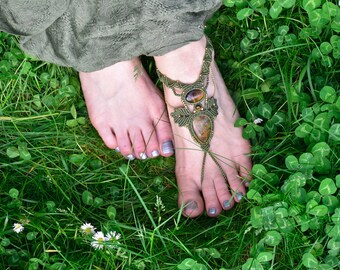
(127, 110)
(214, 193)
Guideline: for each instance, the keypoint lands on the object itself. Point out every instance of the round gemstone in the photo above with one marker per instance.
(194, 96)
(198, 107)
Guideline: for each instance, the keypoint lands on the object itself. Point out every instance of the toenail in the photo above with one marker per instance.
(154, 153)
(212, 211)
(247, 183)
(117, 150)
(239, 196)
(226, 204)
(130, 157)
(143, 156)
(190, 206)
(168, 147)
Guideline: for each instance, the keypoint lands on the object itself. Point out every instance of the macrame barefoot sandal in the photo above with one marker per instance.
(199, 110)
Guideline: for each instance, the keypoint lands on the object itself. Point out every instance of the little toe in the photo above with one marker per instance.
(108, 137)
(245, 170)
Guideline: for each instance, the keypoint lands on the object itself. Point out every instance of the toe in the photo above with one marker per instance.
(152, 145)
(212, 204)
(223, 193)
(167, 148)
(108, 137)
(235, 184)
(245, 170)
(138, 144)
(124, 144)
(164, 136)
(189, 198)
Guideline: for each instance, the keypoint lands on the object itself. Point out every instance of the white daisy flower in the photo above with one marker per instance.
(99, 240)
(87, 228)
(18, 228)
(258, 121)
(113, 238)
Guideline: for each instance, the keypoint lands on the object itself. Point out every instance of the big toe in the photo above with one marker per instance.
(189, 198)
(164, 136)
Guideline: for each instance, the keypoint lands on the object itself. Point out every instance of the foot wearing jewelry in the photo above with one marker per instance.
(212, 165)
(128, 110)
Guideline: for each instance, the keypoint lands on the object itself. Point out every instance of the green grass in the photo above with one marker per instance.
(56, 173)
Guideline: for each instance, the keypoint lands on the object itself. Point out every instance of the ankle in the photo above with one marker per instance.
(183, 64)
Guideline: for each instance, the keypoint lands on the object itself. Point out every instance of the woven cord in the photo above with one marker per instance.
(184, 117)
(172, 84)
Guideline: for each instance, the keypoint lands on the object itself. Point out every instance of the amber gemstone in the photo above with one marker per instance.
(194, 96)
(198, 107)
(202, 127)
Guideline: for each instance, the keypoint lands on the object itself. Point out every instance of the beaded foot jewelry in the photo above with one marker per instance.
(199, 110)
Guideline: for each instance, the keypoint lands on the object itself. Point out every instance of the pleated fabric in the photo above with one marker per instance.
(91, 35)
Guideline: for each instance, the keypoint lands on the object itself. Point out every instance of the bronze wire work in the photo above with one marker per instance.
(204, 109)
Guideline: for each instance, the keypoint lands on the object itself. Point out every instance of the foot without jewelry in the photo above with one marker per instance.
(128, 111)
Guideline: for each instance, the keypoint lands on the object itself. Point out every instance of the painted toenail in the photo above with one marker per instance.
(247, 183)
(154, 153)
(143, 156)
(212, 211)
(190, 206)
(117, 150)
(226, 204)
(130, 157)
(168, 147)
(239, 196)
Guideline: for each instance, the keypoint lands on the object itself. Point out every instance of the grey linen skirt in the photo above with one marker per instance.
(91, 35)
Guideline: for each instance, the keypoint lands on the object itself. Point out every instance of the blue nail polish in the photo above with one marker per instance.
(239, 196)
(190, 206)
(154, 153)
(130, 157)
(212, 211)
(143, 156)
(117, 149)
(168, 147)
(226, 204)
